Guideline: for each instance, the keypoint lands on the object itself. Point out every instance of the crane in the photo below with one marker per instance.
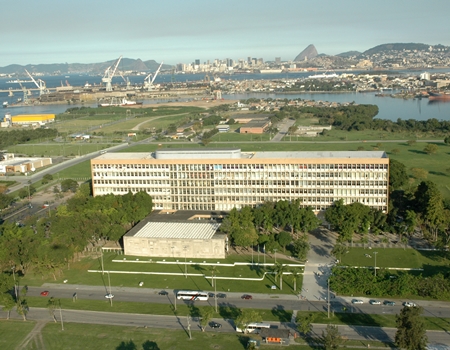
(109, 74)
(25, 92)
(127, 81)
(148, 80)
(40, 84)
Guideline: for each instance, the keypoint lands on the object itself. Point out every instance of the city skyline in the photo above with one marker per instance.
(174, 32)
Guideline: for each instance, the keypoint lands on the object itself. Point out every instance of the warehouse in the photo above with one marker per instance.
(177, 234)
(223, 179)
(22, 165)
(26, 119)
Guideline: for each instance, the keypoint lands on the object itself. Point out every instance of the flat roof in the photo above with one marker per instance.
(218, 153)
(178, 230)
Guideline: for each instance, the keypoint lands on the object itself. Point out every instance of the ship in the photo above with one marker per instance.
(432, 96)
(270, 71)
(119, 103)
(5, 104)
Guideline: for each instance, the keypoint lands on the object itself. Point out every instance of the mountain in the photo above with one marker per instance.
(396, 47)
(349, 54)
(308, 53)
(126, 64)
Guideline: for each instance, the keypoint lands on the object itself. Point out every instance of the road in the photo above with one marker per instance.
(181, 323)
(259, 301)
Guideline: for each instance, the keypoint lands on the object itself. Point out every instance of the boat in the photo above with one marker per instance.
(5, 104)
(119, 103)
(432, 96)
(270, 71)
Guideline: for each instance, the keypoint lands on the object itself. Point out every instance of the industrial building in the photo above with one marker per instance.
(222, 179)
(10, 164)
(177, 234)
(27, 119)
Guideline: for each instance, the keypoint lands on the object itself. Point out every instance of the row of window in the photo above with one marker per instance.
(208, 167)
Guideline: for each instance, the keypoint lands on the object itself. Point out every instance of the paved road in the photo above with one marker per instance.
(181, 322)
(283, 128)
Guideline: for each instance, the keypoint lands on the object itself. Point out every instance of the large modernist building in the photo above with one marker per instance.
(221, 179)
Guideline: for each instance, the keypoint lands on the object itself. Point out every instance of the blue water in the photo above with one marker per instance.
(389, 108)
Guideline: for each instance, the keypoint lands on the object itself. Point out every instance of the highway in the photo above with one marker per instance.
(259, 301)
(181, 323)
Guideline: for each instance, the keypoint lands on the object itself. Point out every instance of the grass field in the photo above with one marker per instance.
(390, 257)
(58, 149)
(137, 338)
(12, 332)
(77, 274)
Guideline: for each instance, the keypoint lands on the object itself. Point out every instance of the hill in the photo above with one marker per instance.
(349, 54)
(308, 53)
(126, 64)
(396, 47)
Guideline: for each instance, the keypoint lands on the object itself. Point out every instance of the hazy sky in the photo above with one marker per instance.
(174, 31)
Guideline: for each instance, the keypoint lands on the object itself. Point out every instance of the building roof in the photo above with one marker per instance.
(178, 230)
(235, 153)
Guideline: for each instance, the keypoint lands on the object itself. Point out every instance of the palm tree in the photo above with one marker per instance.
(295, 274)
(279, 269)
(213, 269)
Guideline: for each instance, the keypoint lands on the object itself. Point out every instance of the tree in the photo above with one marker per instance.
(447, 140)
(431, 148)
(397, 174)
(69, 185)
(411, 142)
(279, 270)
(411, 331)
(395, 151)
(245, 317)
(419, 173)
(304, 322)
(284, 238)
(295, 274)
(206, 315)
(51, 305)
(301, 247)
(47, 178)
(331, 338)
(338, 250)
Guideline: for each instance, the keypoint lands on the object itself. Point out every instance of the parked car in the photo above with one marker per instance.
(211, 295)
(44, 293)
(247, 297)
(215, 325)
(357, 301)
(163, 292)
(109, 296)
(221, 295)
(409, 304)
(389, 303)
(374, 302)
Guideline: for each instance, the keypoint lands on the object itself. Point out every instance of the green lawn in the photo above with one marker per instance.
(12, 332)
(123, 338)
(58, 149)
(77, 274)
(390, 257)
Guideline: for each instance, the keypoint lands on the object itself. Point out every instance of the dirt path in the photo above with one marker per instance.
(137, 127)
(35, 336)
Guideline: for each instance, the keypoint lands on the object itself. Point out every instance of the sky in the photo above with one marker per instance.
(181, 31)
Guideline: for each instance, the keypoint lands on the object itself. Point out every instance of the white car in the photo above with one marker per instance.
(409, 304)
(109, 296)
(375, 302)
(357, 301)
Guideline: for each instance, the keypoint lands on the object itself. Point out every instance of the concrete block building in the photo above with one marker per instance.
(223, 179)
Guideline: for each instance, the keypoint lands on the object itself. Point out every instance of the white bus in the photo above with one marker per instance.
(192, 295)
(254, 327)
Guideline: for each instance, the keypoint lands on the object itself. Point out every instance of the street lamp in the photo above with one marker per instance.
(375, 254)
(185, 264)
(275, 254)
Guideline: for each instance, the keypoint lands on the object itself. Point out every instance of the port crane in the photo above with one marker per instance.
(127, 82)
(25, 92)
(148, 80)
(109, 74)
(40, 84)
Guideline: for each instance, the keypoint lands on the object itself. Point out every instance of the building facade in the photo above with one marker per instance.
(222, 179)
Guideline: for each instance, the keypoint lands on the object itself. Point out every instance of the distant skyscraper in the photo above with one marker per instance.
(197, 62)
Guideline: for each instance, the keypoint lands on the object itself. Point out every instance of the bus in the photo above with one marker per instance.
(192, 295)
(253, 327)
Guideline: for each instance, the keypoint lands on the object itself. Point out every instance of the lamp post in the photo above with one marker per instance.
(185, 264)
(275, 254)
(110, 294)
(14, 277)
(60, 315)
(328, 297)
(375, 254)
